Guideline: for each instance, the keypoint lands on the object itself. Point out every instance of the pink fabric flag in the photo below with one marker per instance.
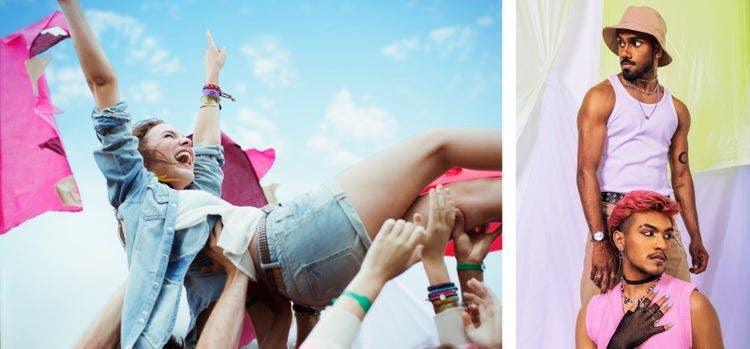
(35, 176)
(243, 170)
(458, 174)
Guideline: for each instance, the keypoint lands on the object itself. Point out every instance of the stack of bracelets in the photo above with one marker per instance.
(443, 296)
(211, 95)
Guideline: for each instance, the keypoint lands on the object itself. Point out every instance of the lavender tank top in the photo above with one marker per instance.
(604, 311)
(636, 149)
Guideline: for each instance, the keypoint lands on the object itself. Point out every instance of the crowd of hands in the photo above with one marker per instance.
(399, 245)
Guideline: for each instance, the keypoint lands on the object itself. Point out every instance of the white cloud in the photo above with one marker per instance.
(169, 7)
(271, 63)
(346, 118)
(256, 131)
(443, 40)
(266, 104)
(400, 49)
(349, 128)
(448, 39)
(141, 48)
(336, 155)
(485, 21)
(67, 84)
(146, 91)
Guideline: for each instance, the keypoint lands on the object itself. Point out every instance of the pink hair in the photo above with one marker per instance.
(641, 201)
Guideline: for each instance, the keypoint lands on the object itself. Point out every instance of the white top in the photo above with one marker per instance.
(636, 149)
(336, 329)
(239, 224)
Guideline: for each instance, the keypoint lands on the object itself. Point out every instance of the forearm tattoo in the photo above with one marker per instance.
(683, 157)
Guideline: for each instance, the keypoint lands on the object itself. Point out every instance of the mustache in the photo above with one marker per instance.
(658, 254)
(625, 60)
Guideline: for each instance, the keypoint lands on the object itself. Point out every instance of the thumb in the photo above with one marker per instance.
(459, 226)
(466, 318)
(416, 255)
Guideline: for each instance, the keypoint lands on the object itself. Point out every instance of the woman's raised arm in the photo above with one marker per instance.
(207, 128)
(100, 76)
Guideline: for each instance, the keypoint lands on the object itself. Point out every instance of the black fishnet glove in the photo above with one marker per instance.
(637, 326)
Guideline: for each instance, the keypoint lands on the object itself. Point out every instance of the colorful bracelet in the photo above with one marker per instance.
(212, 87)
(215, 91)
(443, 289)
(470, 266)
(208, 101)
(211, 93)
(364, 302)
(444, 285)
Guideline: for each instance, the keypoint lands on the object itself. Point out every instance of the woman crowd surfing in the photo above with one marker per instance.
(166, 188)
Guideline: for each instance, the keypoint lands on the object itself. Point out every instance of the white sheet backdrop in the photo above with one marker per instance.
(557, 55)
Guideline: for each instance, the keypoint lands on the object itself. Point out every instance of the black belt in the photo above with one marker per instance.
(612, 197)
(271, 270)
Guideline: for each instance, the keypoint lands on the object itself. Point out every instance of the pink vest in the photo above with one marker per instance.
(604, 312)
(635, 151)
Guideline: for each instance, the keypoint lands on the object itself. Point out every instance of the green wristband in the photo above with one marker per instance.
(470, 266)
(364, 302)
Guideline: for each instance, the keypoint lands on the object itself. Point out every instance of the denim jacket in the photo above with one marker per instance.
(158, 257)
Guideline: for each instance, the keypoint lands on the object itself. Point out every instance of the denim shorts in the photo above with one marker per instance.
(319, 242)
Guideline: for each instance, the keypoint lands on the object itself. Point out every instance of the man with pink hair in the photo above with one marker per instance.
(641, 228)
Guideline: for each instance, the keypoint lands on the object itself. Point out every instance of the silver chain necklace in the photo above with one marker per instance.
(626, 299)
(648, 116)
(644, 91)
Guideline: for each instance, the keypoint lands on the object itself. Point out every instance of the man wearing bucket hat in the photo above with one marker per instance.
(629, 128)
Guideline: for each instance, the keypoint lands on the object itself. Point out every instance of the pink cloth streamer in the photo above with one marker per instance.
(36, 176)
(243, 170)
(458, 174)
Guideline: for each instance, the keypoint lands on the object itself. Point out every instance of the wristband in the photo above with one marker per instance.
(364, 302)
(470, 266)
(440, 286)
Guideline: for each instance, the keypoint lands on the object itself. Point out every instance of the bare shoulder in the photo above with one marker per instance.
(599, 100)
(680, 108)
(602, 90)
(699, 304)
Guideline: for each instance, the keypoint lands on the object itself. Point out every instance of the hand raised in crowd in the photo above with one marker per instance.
(396, 247)
(488, 332)
(215, 57)
(473, 246)
(439, 223)
(603, 267)
(639, 324)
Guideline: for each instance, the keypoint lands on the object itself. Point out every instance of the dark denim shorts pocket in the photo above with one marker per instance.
(327, 277)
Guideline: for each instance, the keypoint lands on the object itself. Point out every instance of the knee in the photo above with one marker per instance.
(434, 143)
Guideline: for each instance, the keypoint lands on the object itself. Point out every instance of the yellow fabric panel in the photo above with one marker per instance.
(710, 46)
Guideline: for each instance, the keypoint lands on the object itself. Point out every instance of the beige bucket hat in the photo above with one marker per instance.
(642, 19)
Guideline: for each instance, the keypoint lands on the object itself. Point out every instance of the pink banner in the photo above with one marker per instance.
(36, 176)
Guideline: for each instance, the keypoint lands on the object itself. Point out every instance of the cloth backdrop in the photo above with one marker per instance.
(561, 54)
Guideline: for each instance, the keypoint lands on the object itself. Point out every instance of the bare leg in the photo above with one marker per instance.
(386, 184)
(480, 200)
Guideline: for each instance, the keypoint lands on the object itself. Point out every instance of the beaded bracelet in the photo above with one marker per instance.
(434, 287)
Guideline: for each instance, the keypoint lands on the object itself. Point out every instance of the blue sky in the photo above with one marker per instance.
(325, 83)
